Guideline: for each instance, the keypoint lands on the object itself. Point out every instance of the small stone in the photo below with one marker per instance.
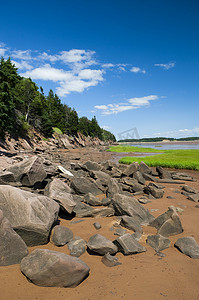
(188, 246)
(120, 231)
(110, 261)
(61, 235)
(97, 225)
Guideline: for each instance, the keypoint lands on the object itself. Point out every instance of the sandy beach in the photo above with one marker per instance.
(141, 276)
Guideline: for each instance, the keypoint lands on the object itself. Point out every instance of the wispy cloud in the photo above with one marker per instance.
(137, 70)
(3, 49)
(166, 66)
(179, 133)
(132, 103)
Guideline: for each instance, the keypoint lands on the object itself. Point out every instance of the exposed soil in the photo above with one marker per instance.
(142, 276)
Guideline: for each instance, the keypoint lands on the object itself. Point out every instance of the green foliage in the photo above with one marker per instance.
(57, 130)
(108, 136)
(133, 149)
(158, 139)
(22, 106)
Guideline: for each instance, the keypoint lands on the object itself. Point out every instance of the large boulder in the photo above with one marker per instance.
(130, 170)
(29, 171)
(101, 245)
(92, 200)
(82, 186)
(128, 245)
(12, 247)
(164, 174)
(51, 268)
(144, 169)
(92, 166)
(61, 193)
(61, 235)
(126, 205)
(158, 242)
(134, 185)
(31, 215)
(168, 223)
(188, 246)
(113, 187)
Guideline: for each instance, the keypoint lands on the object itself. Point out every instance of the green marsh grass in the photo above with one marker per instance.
(178, 159)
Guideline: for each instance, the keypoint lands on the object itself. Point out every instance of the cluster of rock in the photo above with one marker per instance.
(35, 191)
(62, 141)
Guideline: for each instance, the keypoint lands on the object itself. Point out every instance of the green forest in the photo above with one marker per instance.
(23, 106)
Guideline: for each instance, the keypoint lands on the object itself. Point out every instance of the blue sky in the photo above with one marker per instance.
(129, 63)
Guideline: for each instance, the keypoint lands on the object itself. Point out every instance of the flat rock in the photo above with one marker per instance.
(155, 192)
(182, 176)
(143, 168)
(12, 247)
(92, 200)
(31, 215)
(83, 185)
(51, 268)
(131, 223)
(101, 245)
(110, 261)
(189, 189)
(168, 223)
(29, 171)
(158, 242)
(194, 197)
(128, 245)
(131, 169)
(61, 235)
(188, 246)
(92, 166)
(125, 205)
(77, 246)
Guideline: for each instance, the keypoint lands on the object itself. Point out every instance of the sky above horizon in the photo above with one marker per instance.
(132, 64)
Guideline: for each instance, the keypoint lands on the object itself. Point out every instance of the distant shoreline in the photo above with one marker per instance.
(162, 143)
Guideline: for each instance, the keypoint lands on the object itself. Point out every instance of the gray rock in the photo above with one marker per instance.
(144, 200)
(92, 200)
(51, 268)
(61, 235)
(150, 177)
(194, 197)
(189, 189)
(61, 193)
(157, 193)
(83, 210)
(128, 245)
(168, 223)
(101, 245)
(125, 205)
(77, 246)
(156, 185)
(110, 261)
(158, 242)
(137, 235)
(92, 166)
(106, 201)
(97, 225)
(31, 215)
(83, 185)
(163, 173)
(12, 247)
(130, 170)
(6, 177)
(103, 212)
(131, 223)
(135, 186)
(182, 176)
(119, 231)
(113, 187)
(139, 177)
(144, 169)
(188, 246)
(29, 171)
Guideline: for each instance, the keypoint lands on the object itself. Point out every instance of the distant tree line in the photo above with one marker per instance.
(23, 105)
(159, 139)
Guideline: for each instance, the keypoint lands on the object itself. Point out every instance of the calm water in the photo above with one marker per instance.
(168, 146)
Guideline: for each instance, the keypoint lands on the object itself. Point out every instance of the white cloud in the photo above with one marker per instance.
(133, 103)
(137, 70)
(23, 65)
(68, 80)
(166, 66)
(108, 65)
(22, 54)
(2, 51)
(179, 133)
(106, 127)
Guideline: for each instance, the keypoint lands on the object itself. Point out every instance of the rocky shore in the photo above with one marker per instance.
(75, 218)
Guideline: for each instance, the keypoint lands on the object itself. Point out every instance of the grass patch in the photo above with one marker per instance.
(178, 159)
(133, 149)
(57, 130)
